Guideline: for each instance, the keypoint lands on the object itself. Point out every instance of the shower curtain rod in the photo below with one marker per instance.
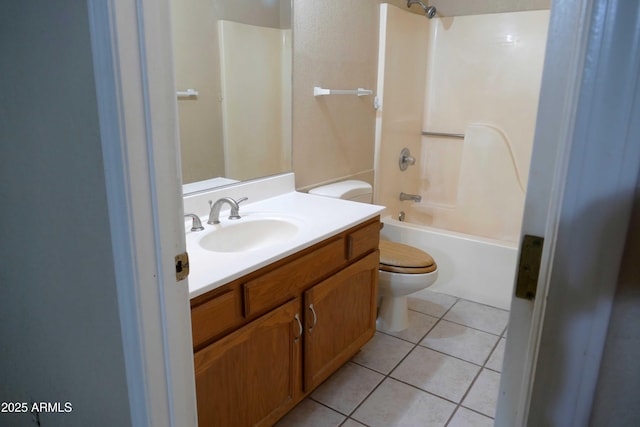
(445, 134)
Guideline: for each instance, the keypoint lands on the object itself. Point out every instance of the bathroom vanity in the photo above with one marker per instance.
(265, 339)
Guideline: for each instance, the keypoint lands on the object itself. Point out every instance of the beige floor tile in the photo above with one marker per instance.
(431, 303)
(419, 325)
(478, 316)
(352, 423)
(394, 404)
(483, 395)
(466, 418)
(311, 414)
(347, 388)
(382, 353)
(436, 373)
(461, 341)
(495, 361)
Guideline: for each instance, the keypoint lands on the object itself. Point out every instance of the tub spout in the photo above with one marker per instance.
(414, 197)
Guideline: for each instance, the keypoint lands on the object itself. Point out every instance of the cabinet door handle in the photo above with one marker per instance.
(297, 317)
(349, 251)
(315, 318)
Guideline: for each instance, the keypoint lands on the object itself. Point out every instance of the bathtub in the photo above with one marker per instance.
(470, 267)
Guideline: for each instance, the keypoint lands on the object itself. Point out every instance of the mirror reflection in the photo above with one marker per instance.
(237, 55)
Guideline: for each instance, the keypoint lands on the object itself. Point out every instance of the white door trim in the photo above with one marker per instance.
(138, 126)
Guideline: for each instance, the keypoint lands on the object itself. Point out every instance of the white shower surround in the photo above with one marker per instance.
(427, 81)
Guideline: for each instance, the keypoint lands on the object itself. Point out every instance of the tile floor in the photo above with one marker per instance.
(444, 370)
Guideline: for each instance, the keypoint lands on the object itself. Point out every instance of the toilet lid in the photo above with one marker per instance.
(401, 258)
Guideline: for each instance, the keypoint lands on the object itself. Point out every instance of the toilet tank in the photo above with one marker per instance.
(357, 191)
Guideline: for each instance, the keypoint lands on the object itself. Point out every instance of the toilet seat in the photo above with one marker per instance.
(400, 258)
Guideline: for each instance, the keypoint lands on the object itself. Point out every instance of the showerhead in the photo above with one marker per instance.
(430, 11)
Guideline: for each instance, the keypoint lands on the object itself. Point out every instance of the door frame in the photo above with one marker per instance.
(138, 125)
(135, 88)
(584, 173)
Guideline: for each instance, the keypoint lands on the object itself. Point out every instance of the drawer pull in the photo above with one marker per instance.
(299, 326)
(315, 318)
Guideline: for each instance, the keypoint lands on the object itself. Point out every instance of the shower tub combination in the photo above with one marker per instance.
(448, 87)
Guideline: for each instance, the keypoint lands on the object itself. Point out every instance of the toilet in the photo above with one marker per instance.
(403, 269)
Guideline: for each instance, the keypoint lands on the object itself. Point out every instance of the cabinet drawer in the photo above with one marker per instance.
(216, 315)
(283, 283)
(363, 240)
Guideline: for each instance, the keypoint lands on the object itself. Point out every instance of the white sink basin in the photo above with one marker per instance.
(249, 235)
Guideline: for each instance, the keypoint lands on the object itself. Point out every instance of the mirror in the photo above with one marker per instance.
(236, 55)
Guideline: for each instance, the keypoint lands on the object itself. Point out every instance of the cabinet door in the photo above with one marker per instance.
(340, 317)
(252, 376)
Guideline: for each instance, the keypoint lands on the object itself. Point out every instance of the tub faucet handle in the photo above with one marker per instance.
(406, 159)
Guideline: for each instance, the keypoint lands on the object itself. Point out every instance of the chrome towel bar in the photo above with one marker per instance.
(445, 134)
(187, 93)
(318, 91)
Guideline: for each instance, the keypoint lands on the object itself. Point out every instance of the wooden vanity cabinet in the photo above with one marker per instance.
(340, 318)
(265, 341)
(251, 377)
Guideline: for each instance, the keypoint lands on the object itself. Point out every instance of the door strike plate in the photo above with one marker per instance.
(182, 266)
(529, 267)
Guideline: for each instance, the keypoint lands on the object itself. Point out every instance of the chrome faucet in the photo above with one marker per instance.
(214, 213)
(414, 197)
(196, 225)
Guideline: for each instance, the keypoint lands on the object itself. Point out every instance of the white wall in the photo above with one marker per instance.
(60, 337)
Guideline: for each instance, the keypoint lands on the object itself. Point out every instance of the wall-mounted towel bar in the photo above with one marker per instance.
(187, 93)
(445, 134)
(318, 91)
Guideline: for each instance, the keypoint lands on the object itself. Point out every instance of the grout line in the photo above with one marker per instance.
(327, 406)
(437, 320)
(475, 329)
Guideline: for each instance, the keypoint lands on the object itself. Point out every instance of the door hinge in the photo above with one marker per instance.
(182, 266)
(529, 267)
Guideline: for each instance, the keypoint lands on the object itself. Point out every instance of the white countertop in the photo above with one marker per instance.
(317, 218)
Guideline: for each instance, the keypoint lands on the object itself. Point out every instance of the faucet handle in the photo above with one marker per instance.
(235, 209)
(196, 225)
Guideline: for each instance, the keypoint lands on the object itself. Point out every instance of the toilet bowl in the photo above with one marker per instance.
(403, 269)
